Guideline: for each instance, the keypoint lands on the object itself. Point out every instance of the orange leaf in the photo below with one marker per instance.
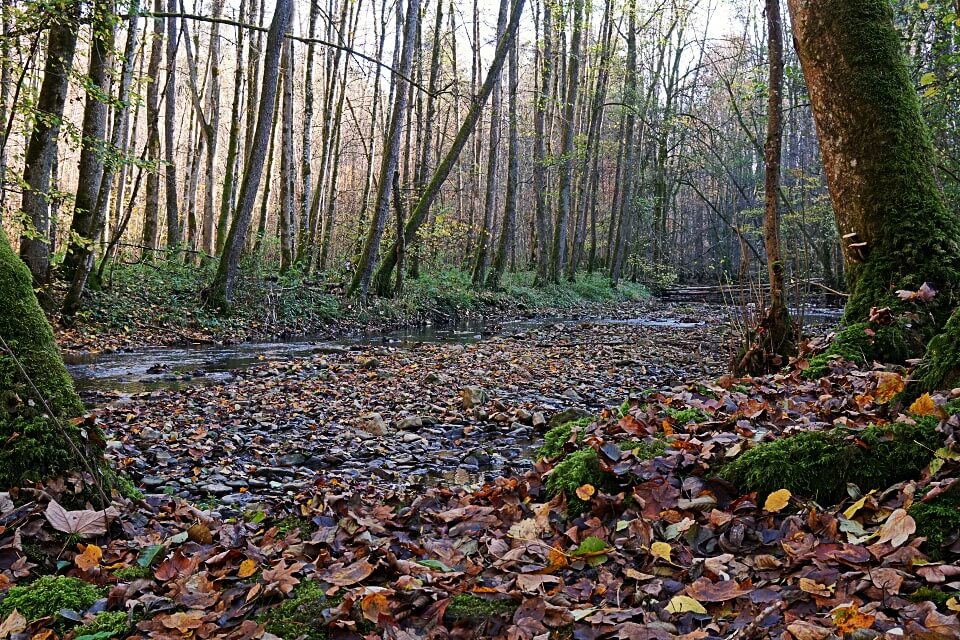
(586, 491)
(90, 558)
(777, 500)
(247, 568)
(889, 384)
(848, 619)
(924, 406)
(556, 560)
(373, 606)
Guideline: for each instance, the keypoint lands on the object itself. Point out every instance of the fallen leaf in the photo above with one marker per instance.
(86, 523)
(812, 586)
(90, 557)
(182, 621)
(684, 604)
(889, 385)
(200, 533)
(897, 528)
(848, 619)
(661, 550)
(924, 406)
(809, 631)
(247, 568)
(350, 574)
(586, 492)
(14, 623)
(777, 500)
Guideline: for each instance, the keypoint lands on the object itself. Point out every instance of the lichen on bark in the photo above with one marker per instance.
(35, 447)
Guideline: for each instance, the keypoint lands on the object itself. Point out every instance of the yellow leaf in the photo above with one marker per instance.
(661, 550)
(777, 500)
(586, 492)
(90, 557)
(814, 587)
(247, 568)
(923, 406)
(684, 604)
(953, 604)
(856, 506)
(889, 384)
(923, 6)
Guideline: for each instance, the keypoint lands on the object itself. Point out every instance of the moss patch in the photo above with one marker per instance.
(135, 572)
(929, 594)
(555, 440)
(862, 343)
(467, 606)
(34, 448)
(47, 596)
(301, 616)
(644, 450)
(107, 624)
(940, 368)
(577, 469)
(686, 415)
(819, 464)
(938, 520)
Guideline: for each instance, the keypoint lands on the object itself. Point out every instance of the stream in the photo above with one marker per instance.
(239, 422)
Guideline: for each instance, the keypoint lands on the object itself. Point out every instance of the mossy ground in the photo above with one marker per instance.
(819, 464)
(107, 624)
(929, 594)
(34, 447)
(47, 596)
(467, 606)
(556, 439)
(686, 415)
(938, 520)
(862, 343)
(301, 616)
(134, 572)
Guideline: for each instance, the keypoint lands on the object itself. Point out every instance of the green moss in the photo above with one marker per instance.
(644, 450)
(301, 616)
(929, 594)
(107, 624)
(686, 415)
(47, 596)
(134, 572)
(819, 464)
(862, 343)
(288, 524)
(940, 368)
(34, 448)
(467, 606)
(555, 440)
(577, 469)
(938, 520)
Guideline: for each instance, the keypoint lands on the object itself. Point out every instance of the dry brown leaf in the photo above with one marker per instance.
(817, 589)
(808, 631)
(898, 528)
(14, 623)
(182, 621)
(86, 523)
(350, 574)
(200, 533)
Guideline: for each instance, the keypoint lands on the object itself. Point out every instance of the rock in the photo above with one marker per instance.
(152, 482)
(291, 460)
(568, 415)
(374, 424)
(522, 415)
(537, 419)
(370, 363)
(473, 396)
(410, 423)
(571, 394)
(500, 416)
(216, 489)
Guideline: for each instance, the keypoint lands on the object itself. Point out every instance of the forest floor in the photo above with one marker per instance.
(501, 489)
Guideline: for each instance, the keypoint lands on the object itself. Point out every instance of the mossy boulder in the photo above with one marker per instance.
(938, 520)
(863, 343)
(34, 447)
(819, 464)
(940, 368)
(47, 596)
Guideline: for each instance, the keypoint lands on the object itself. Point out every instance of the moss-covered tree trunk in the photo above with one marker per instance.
(34, 446)
(897, 233)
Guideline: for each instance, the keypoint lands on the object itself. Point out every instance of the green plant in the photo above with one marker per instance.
(107, 624)
(555, 440)
(134, 572)
(577, 469)
(46, 596)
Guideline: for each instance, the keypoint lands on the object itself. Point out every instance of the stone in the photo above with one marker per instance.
(411, 437)
(568, 415)
(374, 424)
(522, 415)
(216, 489)
(472, 396)
(291, 459)
(537, 419)
(571, 394)
(410, 423)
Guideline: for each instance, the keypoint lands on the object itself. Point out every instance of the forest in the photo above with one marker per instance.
(449, 319)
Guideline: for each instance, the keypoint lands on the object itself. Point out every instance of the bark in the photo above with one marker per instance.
(41, 152)
(877, 155)
(233, 145)
(169, 144)
(541, 214)
(559, 258)
(419, 213)
(509, 231)
(212, 128)
(306, 158)
(93, 136)
(222, 288)
(625, 205)
(151, 211)
(287, 172)
(391, 156)
(482, 258)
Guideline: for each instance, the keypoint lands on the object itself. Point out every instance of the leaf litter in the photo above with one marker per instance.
(655, 547)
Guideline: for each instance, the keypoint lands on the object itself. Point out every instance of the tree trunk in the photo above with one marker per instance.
(210, 179)
(878, 158)
(233, 145)
(170, 116)
(41, 152)
(93, 136)
(542, 214)
(509, 230)
(221, 290)
(151, 210)
(287, 172)
(391, 156)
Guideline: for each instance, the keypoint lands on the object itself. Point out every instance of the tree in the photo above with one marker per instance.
(541, 100)
(151, 211)
(41, 153)
(509, 230)
(221, 290)
(169, 122)
(774, 340)
(37, 398)
(878, 157)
